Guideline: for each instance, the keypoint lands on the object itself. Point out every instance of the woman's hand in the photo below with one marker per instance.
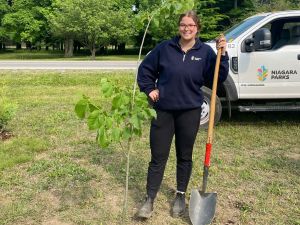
(154, 95)
(221, 43)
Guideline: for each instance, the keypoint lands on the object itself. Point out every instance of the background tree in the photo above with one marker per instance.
(235, 12)
(95, 24)
(92, 22)
(123, 30)
(4, 7)
(275, 5)
(61, 16)
(26, 22)
(212, 18)
(165, 18)
(209, 12)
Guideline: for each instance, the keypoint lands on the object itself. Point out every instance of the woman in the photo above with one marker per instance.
(172, 75)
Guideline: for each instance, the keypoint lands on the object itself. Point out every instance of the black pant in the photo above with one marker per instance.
(184, 124)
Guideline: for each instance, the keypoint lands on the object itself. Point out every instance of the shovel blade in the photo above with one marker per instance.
(202, 207)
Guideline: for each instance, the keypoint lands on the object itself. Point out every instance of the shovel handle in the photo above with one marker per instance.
(212, 111)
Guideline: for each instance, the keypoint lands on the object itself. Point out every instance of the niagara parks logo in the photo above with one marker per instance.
(278, 74)
(262, 73)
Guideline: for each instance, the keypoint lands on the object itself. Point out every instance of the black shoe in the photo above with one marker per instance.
(146, 210)
(179, 205)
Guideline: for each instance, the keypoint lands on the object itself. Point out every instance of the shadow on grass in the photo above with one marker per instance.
(261, 117)
(279, 158)
(282, 164)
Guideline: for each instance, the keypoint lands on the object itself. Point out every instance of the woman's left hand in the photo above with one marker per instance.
(221, 43)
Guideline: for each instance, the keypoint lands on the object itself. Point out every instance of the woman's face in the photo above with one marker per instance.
(187, 28)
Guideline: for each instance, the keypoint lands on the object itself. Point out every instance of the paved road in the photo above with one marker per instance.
(68, 65)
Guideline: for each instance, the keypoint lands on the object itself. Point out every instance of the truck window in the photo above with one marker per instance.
(284, 32)
(238, 29)
(295, 34)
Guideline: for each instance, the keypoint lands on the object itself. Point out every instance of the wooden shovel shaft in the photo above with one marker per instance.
(212, 111)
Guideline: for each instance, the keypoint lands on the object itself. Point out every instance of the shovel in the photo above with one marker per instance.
(202, 205)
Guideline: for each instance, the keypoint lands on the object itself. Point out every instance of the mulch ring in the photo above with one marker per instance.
(4, 135)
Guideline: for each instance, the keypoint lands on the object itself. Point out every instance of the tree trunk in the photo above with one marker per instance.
(18, 46)
(93, 51)
(235, 4)
(1, 46)
(28, 45)
(69, 47)
(77, 46)
(121, 48)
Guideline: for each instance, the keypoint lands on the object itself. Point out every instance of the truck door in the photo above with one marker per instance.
(274, 72)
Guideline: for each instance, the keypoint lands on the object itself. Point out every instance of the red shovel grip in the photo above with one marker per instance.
(207, 154)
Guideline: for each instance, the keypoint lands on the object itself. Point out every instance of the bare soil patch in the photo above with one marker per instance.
(55, 221)
(4, 135)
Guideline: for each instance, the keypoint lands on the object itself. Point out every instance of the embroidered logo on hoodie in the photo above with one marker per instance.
(195, 58)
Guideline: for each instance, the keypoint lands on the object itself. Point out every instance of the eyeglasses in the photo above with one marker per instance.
(190, 26)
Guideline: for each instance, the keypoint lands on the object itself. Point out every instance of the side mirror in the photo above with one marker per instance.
(262, 39)
(249, 47)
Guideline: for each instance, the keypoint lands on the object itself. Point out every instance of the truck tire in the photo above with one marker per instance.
(206, 108)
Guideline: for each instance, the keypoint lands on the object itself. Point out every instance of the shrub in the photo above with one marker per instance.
(7, 109)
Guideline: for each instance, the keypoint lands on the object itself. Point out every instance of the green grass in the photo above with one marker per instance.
(59, 55)
(52, 171)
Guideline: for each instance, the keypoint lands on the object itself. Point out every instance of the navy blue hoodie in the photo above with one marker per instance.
(178, 75)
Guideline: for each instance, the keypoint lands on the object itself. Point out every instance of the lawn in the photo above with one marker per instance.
(59, 55)
(52, 171)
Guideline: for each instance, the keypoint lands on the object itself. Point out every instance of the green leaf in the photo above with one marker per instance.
(116, 134)
(127, 133)
(155, 22)
(144, 115)
(102, 137)
(120, 101)
(81, 108)
(116, 102)
(94, 120)
(135, 121)
(107, 88)
(109, 123)
(152, 113)
(92, 107)
(137, 132)
(178, 7)
(141, 100)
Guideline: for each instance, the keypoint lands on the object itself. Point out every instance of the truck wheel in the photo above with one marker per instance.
(206, 108)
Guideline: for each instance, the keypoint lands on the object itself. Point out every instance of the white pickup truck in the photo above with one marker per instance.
(264, 74)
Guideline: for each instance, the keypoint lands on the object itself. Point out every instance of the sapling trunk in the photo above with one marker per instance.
(125, 207)
(140, 53)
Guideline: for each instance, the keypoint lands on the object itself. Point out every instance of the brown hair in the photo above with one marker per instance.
(192, 14)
